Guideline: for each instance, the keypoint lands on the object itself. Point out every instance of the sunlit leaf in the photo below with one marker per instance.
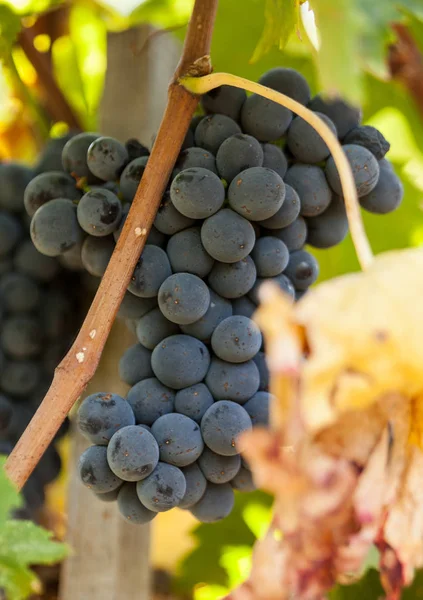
(236, 560)
(17, 581)
(10, 25)
(27, 544)
(281, 19)
(9, 496)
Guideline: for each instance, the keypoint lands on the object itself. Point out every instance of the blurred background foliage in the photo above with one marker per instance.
(371, 52)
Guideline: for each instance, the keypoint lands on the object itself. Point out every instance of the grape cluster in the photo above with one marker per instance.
(252, 186)
(36, 322)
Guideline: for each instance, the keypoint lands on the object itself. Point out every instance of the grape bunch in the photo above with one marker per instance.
(252, 187)
(36, 322)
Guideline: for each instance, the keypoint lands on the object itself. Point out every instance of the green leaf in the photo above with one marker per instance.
(337, 63)
(281, 18)
(9, 495)
(17, 581)
(236, 560)
(27, 544)
(10, 26)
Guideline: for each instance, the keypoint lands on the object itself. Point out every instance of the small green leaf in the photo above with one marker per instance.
(281, 19)
(9, 496)
(10, 25)
(17, 581)
(27, 544)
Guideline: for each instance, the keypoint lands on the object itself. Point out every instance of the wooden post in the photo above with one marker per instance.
(110, 558)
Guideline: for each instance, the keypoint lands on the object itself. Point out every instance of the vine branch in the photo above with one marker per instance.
(202, 85)
(79, 365)
(56, 103)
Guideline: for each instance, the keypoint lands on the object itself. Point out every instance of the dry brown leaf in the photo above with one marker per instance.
(344, 456)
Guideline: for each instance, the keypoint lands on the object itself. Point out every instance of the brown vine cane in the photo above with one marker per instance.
(76, 369)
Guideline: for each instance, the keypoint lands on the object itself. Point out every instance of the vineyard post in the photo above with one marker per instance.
(79, 365)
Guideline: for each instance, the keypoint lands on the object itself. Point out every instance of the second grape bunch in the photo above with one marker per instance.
(252, 186)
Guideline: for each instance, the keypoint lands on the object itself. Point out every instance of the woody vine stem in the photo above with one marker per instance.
(79, 365)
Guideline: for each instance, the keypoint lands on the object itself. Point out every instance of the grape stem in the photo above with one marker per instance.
(79, 365)
(202, 85)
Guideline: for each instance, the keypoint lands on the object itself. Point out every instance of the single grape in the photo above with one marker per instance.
(219, 469)
(369, 137)
(106, 158)
(193, 401)
(100, 415)
(287, 213)
(153, 327)
(305, 143)
(238, 153)
(108, 496)
(30, 262)
(310, 183)
(95, 472)
(51, 157)
(365, 169)
(387, 195)
(71, 259)
(275, 159)
(221, 426)
(169, 220)
(179, 439)
(233, 280)
(135, 364)
(163, 489)
(19, 378)
(219, 308)
(132, 453)
(329, 228)
(197, 193)
(131, 177)
(236, 382)
(99, 212)
(14, 179)
(196, 485)
(258, 408)
(227, 236)
(150, 399)
(216, 503)
(243, 307)
(302, 269)
(49, 186)
(21, 336)
(19, 293)
(96, 253)
(186, 253)
(10, 232)
(134, 307)
(183, 298)
(55, 228)
(225, 100)
(281, 280)
(264, 119)
(236, 339)
(243, 481)
(270, 256)
(135, 149)
(294, 235)
(180, 361)
(195, 157)
(130, 506)
(213, 130)
(152, 269)
(287, 81)
(74, 156)
(343, 115)
(257, 193)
